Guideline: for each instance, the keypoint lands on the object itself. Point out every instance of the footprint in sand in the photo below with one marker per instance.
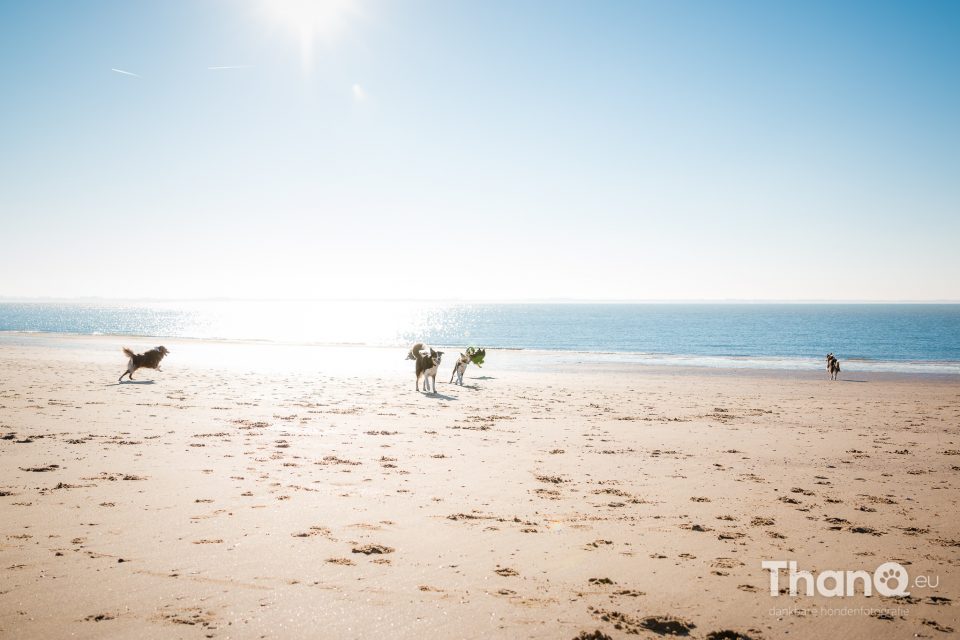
(663, 625)
(99, 617)
(667, 625)
(592, 635)
(190, 616)
(935, 625)
(726, 563)
(727, 634)
(869, 530)
(596, 544)
(314, 531)
(369, 549)
(49, 467)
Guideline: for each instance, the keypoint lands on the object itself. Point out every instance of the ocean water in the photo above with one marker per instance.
(879, 337)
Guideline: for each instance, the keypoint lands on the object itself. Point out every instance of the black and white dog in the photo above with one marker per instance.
(427, 363)
(833, 366)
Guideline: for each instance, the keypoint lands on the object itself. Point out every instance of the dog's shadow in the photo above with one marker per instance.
(117, 384)
(483, 378)
(440, 396)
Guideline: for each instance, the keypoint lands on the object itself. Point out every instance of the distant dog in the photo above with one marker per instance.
(833, 366)
(151, 360)
(427, 363)
(460, 368)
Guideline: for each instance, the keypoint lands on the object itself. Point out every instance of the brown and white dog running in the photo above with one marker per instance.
(427, 363)
(151, 360)
(833, 366)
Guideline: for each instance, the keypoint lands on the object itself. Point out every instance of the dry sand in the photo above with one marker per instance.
(289, 492)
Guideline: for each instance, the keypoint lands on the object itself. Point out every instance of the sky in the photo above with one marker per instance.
(480, 150)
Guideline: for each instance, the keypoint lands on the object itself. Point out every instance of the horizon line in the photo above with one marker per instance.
(553, 300)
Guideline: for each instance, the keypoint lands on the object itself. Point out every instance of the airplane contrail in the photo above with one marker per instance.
(229, 66)
(126, 73)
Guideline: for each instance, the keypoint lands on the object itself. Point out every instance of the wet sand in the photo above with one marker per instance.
(283, 492)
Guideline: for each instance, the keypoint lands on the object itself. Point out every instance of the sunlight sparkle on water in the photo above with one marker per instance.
(322, 322)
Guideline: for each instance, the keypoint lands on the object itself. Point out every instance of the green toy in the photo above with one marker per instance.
(476, 355)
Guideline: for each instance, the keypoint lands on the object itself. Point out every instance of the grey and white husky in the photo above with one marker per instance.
(460, 368)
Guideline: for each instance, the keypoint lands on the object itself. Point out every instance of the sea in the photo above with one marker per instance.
(917, 338)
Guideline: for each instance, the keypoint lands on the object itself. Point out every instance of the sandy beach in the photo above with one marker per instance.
(254, 491)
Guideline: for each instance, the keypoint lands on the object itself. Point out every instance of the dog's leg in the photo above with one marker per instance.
(123, 374)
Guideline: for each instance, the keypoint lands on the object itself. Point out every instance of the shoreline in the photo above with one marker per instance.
(539, 359)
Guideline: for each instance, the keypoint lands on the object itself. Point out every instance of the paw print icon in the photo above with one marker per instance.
(891, 579)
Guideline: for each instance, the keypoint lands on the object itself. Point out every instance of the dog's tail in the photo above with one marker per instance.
(414, 351)
(127, 352)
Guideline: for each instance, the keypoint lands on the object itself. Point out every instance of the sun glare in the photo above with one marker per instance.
(312, 21)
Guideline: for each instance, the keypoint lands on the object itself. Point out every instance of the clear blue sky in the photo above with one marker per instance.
(374, 148)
